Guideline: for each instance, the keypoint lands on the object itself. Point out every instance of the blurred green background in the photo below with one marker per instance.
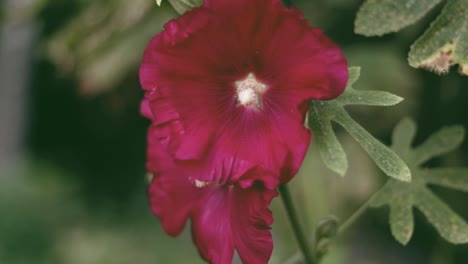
(72, 142)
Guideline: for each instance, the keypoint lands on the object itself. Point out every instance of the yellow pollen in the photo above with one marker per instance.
(250, 91)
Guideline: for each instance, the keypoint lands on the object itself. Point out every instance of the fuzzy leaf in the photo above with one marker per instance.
(403, 135)
(443, 141)
(181, 6)
(323, 112)
(378, 17)
(372, 98)
(386, 159)
(402, 221)
(402, 197)
(455, 178)
(330, 148)
(445, 42)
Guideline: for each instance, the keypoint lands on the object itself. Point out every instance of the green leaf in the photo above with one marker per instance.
(373, 98)
(455, 178)
(445, 43)
(386, 159)
(158, 2)
(323, 112)
(378, 17)
(331, 150)
(441, 142)
(402, 197)
(403, 135)
(449, 224)
(402, 221)
(182, 6)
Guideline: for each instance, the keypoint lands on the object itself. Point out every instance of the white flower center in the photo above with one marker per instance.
(250, 91)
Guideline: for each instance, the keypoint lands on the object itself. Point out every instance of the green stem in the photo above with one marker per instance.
(350, 221)
(293, 218)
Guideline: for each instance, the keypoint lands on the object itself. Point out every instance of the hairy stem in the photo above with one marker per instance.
(356, 214)
(293, 218)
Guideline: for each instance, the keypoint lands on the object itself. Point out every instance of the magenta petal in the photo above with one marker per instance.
(172, 199)
(172, 195)
(231, 218)
(251, 224)
(145, 109)
(211, 226)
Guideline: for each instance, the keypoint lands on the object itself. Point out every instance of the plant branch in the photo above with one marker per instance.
(293, 218)
(354, 216)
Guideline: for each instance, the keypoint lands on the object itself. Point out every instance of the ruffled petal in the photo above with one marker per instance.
(307, 66)
(189, 72)
(172, 199)
(231, 218)
(172, 195)
(211, 226)
(145, 109)
(251, 221)
(158, 159)
(314, 69)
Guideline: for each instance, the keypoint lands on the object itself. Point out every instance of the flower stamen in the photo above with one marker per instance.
(200, 184)
(250, 91)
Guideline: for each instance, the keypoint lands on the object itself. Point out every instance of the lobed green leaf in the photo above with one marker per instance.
(403, 135)
(387, 160)
(373, 98)
(323, 112)
(379, 17)
(402, 196)
(441, 142)
(455, 178)
(330, 149)
(402, 221)
(449, 225)
(445, 42)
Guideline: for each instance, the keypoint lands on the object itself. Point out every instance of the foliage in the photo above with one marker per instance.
(102, 51)
(442, 45)
(323, 112)
(181, 6)
(401, 197)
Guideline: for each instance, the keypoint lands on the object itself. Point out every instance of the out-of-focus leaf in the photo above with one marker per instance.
(402, 196)
(445, 43)
(322, 113)
(326, 229)
(99, 44)
(182, 6)
(378, 17)
(158, 2)
(19, 12)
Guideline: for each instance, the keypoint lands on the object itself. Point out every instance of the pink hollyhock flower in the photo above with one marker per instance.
(229, 83)
(227, 89)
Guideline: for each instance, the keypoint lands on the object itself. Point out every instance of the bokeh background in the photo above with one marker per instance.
(72, 142)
